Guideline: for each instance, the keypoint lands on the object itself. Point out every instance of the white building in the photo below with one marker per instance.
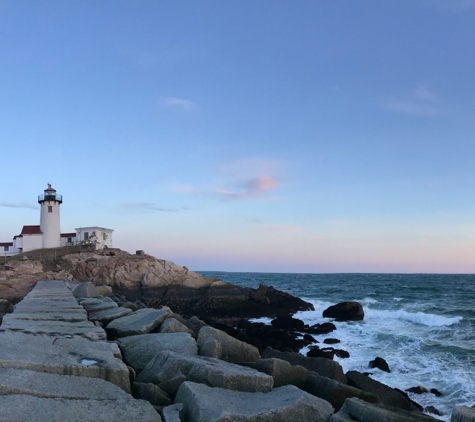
(48, 233)
(99, 236)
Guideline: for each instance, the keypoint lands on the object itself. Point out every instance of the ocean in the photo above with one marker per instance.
(421, 324)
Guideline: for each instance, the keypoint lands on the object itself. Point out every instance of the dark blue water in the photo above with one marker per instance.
(422, 324)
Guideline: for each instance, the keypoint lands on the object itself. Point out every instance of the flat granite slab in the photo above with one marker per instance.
(48, 288)
(23, 408)
(108, 315)
(142, 321)
(64, 356)
(57, 315)
(99, 305)
(55, 364)
(48, 305)
(84, 329)
(41, 384)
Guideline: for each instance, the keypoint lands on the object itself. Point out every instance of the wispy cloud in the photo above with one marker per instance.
(182, 103)
(255, 188)
(420, 102)
(241, 180)
(149, 206)
(18, 205)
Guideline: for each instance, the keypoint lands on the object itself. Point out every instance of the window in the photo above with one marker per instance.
(70, 239)
(50, 208)
(104, 236)
(5, 248)
(86, 235)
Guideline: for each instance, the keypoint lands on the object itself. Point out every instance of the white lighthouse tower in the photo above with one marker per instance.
(49, 217)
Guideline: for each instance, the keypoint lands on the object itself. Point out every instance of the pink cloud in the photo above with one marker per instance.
(253, 189)
(262, 183)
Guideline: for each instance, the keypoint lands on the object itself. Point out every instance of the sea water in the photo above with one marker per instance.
(421, 324)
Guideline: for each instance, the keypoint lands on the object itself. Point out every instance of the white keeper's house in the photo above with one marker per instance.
(48, 233)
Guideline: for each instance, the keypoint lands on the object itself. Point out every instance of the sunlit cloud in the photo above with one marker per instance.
(421, 102)
(180, 103)
(17, 205)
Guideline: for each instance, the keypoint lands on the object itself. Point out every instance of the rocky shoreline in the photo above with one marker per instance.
(191, 349)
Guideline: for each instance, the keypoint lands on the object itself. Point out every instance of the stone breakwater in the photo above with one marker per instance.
(80, 356)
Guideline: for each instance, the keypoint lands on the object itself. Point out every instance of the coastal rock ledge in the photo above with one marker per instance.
(155, 282)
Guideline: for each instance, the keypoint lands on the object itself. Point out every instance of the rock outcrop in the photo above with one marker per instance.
(345, 311)
(157, 282)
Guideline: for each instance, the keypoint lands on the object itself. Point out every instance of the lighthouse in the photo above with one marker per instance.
(49, 217)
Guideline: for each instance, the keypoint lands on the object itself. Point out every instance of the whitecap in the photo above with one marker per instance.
(429, 320)
(264, 320)
(368, 301)
(398, 299)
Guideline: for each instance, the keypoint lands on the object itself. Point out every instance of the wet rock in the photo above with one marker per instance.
(380, 363)
(417, 390)
(343, 354)
(387, 395)
(436, 392)
(223, 300)
(316, 352)
(325, 328)
(331, 341)
(309, 338)
(433, 410)
(345, 311)
(288, 323)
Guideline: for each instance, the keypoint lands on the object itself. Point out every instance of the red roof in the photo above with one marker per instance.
(31, 230)
(6, 244)
(68, 234)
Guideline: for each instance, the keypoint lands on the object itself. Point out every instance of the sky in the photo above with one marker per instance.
(271, 136)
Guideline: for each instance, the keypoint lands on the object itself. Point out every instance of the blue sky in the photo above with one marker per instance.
(303, 136)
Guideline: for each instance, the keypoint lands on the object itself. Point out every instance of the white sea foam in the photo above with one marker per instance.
(429, 320)
(398, 299)
(265, 320)
(368, 301)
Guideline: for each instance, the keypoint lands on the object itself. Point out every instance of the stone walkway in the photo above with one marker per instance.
(55, 365)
